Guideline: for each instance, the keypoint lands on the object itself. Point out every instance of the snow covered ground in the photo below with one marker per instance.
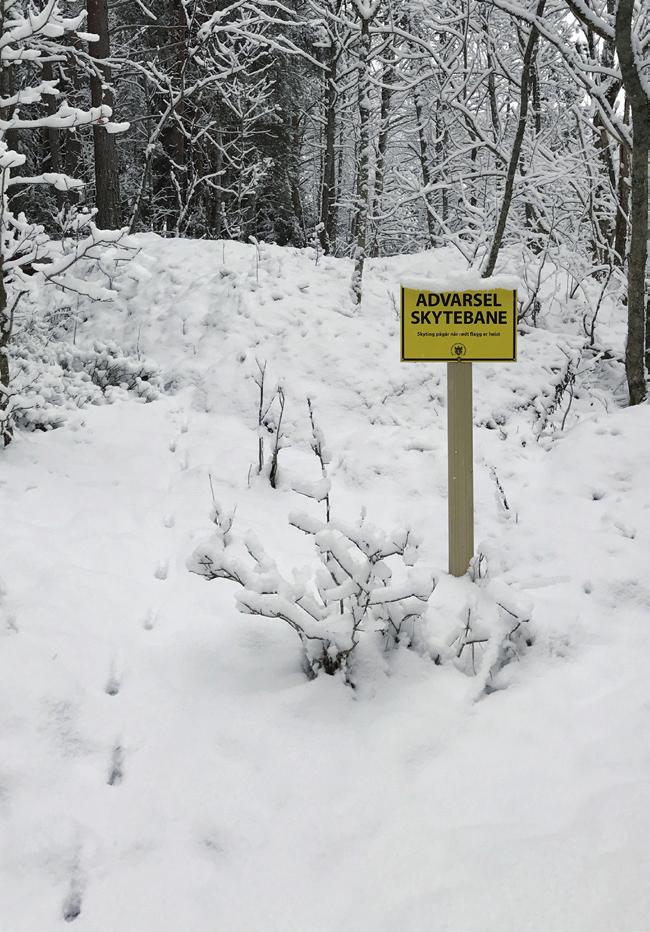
(164, 763)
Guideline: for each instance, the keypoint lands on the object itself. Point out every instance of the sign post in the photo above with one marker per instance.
(459, 323)
(460, 466)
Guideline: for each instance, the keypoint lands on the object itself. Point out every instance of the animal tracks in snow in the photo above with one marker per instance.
(162, 569)
(72, 904)
(116, 768)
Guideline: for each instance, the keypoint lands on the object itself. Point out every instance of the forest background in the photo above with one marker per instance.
(358, 128)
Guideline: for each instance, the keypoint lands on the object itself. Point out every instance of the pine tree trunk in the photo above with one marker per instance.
(382, 143)
(529, 208)
(6, 432)
(624, 164)
(53, 136)
(5, 322)
(173, 183)
(215, 198)
(361, 200)
(424, 163)
(638, 326)
(328, 188)
(107, 183)
(492, 87)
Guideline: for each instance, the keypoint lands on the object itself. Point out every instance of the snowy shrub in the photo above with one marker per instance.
(270, 412)
(491, 637)
(51, 379)
(493, 627)
(318, 491)
(52, 293)
(108, 366)
(363, 588)
(551, 400)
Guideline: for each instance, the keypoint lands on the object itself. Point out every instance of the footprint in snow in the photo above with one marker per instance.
(116, 769)
(112, 687)
(72, 905)
(162, 570)
(114, 682)
(213, 844)
(150, 619)
(169, 520)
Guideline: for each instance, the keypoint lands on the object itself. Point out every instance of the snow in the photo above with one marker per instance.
(462, 280)
(164, 762)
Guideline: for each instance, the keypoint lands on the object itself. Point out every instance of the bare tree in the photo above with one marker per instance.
(506, 201)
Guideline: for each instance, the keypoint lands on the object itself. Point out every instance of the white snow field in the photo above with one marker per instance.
(166, 766)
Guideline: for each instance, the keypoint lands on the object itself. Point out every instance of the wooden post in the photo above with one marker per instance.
(460, 466)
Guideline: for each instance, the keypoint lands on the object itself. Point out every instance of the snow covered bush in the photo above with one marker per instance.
(364, 588)
(51, 379)
(270, 412)
(494, 633)
(107, 365)
(482, 625)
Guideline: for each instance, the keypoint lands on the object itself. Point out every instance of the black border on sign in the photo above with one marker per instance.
(404, 358)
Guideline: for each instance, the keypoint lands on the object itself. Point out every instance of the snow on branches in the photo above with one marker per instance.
(364, 589)
(30, 40)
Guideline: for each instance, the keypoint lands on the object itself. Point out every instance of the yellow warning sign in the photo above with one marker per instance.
(477, 326)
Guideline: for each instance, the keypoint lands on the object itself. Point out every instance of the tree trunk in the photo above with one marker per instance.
(492, 86)
(53, 137)
(107, 182)
(71, 149)
(424, 163)
(6, 431)
(382, 143)
(215, 198)
(361, 205)
(5, 322)
(328, 188)
(529, 208)
(173, 183)
(624, 164)
(605, 190)
(529, 58)
(638, 325)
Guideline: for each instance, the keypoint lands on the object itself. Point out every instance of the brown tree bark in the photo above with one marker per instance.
(603, 222)
(624, 165)
(107, 183)
(529, 209)
(169, 174)
(6, 432)
(363, 162)
(425, 167)
(328, 187)
(638, 307)
(382, 144)
(53, 136)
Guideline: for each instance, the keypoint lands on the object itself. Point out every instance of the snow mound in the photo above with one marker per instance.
(164, 762)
